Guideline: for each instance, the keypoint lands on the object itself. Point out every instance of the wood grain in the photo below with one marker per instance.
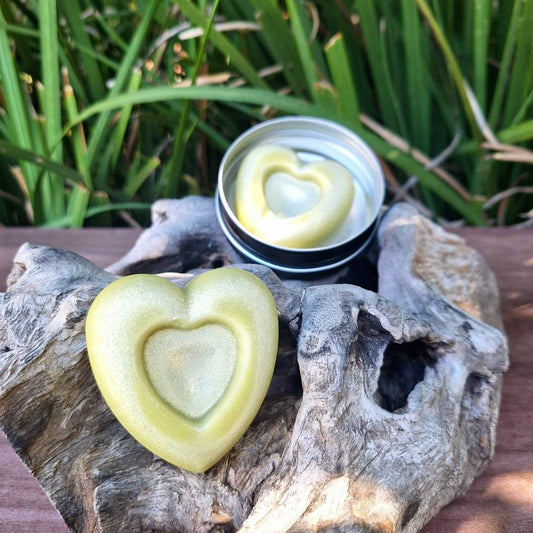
(500, 500)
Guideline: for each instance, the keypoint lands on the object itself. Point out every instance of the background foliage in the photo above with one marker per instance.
(106, 105)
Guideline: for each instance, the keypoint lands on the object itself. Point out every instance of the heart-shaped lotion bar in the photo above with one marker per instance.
(287, 203)
(184, 370)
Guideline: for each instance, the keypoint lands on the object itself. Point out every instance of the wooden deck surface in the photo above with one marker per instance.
(500, 500)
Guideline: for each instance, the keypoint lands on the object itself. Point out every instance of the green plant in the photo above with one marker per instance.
(107, 106)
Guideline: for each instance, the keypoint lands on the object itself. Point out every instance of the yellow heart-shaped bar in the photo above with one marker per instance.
(288, 203)
(184, 370)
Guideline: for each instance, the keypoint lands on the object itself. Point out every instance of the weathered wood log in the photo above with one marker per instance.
(382, 409)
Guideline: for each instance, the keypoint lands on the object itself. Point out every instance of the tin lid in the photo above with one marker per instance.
(311, 139)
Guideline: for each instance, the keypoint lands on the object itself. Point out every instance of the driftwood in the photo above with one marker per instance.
(382, 409)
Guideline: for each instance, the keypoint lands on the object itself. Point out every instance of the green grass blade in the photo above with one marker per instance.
(137, 180)
(100, 58)
(521, 76)
(113, 36)
(391, 88)
(520, 115)
(50, 77)
(97, 210)
(102, 125)
(78, 202)
(73, 15)
(15, 104)
(370, 27)
(14, 152)
(22, 45)
(482, 16)
(49, 192)
(452, 64)
(341, 74)
(15, 29)
(245, 95)
(462, 36)
(51, 106)
(79, 144)
(117, 137)
(495, 113)
(76, 77)
(100, 199)
(302, 44)
(327, 99)
(239, 62)
(279, 40)
(517, 133)
(418, 92)
(310, 21)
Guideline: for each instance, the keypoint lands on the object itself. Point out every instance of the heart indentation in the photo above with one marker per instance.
(288, 203)
(191, 370)
(287, 196)
(184, 370)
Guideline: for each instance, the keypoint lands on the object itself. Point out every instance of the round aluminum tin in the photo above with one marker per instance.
(312, 139)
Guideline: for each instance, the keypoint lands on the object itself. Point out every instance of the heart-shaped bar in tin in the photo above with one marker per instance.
(184, 370)
(288, 203)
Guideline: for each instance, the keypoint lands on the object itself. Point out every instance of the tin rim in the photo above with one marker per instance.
(347, 148)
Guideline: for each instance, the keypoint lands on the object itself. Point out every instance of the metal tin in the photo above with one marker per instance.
(312, 139)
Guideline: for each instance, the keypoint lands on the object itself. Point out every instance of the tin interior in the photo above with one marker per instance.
(312, 139)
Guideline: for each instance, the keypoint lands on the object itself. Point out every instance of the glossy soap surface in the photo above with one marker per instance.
(289, 203)
(184, 370)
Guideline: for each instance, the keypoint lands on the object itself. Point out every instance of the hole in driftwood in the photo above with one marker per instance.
(403, 367)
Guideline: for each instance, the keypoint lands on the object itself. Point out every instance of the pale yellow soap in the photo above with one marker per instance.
(184, 370)
(289, 203)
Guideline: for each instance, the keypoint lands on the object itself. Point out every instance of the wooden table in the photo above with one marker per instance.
(500, 500)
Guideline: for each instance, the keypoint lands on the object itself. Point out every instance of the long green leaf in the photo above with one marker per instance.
(16, 108)
(279, 40)
(16, 29)
(521, 76)
(341, 74)
(505, 66)
(418, 93)
(482, 15)
(136, 181)
(73, 15)
(526, 104)
(302, 44)
(97, 210)
(14, 152)
(50, 76)
(117, 137)
(517, 133)
(164, 94)
(78, 138)
(51, 109)
(77, 205)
